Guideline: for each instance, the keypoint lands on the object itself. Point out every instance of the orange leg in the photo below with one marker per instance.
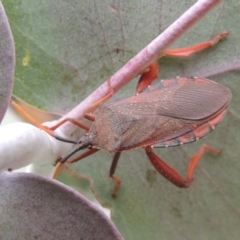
(151, 73)
(88, 115)
(186, 52)
(82, 156)
(73, 121)
(49, 130)
(171, 174)
(99, 102)
(30, 118)
(147, 77)
(57, 169)
(196, 158)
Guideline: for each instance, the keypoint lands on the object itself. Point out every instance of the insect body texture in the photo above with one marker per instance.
(168, 113)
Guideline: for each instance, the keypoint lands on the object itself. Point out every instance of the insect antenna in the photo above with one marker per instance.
(65, 139)
(82, 145)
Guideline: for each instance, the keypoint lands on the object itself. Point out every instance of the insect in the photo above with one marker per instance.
(166, 113)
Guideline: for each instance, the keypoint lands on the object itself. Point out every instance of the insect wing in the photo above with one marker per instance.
(168, 111)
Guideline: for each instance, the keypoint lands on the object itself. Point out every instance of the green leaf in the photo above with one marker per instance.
(66, 49)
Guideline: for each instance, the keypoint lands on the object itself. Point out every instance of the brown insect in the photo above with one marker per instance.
(168, 113)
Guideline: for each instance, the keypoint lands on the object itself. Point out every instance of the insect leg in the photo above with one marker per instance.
(80, 157)
(147, 77)
(49, 130)
(171, 174)
(165, 170)
(196, 158)
(84, 155)
(72, 120)
(99, 102)
(30, 118)
(187, 51)
(151, 73)
(112, 171)
(89, 116)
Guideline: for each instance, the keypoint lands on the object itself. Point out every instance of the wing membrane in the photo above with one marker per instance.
(166, 112)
